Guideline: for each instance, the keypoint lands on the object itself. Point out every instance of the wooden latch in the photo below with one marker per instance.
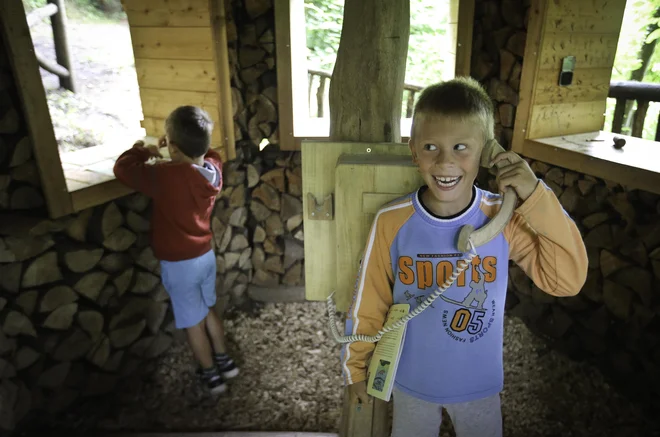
(323, 211)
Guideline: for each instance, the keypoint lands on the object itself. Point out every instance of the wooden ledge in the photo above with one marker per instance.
(98, 194)
(635, 166)
(90, 178)
(89, 174)
(317, 130)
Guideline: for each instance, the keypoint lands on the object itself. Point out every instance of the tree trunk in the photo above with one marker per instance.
(366, 89)
(645, 55)
(366, 93)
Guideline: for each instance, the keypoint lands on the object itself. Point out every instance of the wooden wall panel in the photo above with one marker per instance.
(157, 104)
(592, 50)
(190, 43)
(181, 59)
(381, 179)
(566, 9)
(603, 23)
(588, 85)
(319, 161)
(566, 118)
(588, 30)
(171, 13)
(176, 75)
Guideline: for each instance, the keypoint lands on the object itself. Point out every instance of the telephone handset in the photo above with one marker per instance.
(468, 240)
(468, 235)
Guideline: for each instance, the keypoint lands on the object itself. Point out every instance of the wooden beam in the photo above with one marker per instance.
(18, 43)
(284, 76)
(218, 13)
(537, 13)
(619, 112)
(638, 120)
(464, 37)
(277, 294)
(62, 50)
(51, 67)
(39, 14)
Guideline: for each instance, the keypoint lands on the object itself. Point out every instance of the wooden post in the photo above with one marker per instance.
(58, 22)
(366, 88)
(366, 92)
(20, 50)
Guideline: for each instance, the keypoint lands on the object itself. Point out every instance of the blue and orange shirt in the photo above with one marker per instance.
(453, 350)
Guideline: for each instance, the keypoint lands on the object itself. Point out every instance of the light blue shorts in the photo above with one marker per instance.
(191, 286)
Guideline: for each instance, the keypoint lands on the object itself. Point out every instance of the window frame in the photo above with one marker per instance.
(290, 42)
(631, 166)
(60, 200)
(20, 49)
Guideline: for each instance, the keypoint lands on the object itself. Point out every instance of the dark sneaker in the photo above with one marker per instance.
(213, 381)
(226, 366)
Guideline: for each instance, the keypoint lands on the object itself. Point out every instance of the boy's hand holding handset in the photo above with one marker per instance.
(517, 175)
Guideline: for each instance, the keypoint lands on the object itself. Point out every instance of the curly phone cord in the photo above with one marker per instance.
(332, 309)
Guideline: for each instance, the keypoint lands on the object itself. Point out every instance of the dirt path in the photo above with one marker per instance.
(106, 106)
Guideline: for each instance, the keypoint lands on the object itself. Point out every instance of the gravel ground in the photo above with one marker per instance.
(106, 106)
(291, 381)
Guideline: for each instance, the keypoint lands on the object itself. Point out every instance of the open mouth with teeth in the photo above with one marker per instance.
(447, 181)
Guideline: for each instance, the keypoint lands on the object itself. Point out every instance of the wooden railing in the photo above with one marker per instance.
(62, 69)
(643, 93)
(323, 78)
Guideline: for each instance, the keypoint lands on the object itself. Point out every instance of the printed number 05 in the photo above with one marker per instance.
(465, 319)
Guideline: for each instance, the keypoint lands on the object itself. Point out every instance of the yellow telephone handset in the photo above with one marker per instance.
(468, 235)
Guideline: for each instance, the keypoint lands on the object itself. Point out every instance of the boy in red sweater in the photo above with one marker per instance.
(183, 193)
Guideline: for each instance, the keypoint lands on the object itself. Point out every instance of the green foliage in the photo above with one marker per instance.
(324, 19)
(638, 16)
(427, 48)
(31, 5)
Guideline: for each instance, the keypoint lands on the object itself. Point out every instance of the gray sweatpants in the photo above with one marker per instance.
(418, 418)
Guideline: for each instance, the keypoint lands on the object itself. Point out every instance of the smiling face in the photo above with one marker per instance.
(447, 150)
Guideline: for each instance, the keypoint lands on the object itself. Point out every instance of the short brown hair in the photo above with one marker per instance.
(189, 128)
(461, 97)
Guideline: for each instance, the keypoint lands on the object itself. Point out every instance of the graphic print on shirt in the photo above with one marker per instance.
(474, 315)
(419, 299)
(472, 311)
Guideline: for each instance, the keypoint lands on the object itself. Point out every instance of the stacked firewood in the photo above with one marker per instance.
(81, 305)
(258, 225)
(498, 48)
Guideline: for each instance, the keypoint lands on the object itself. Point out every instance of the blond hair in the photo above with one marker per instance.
(461, 97)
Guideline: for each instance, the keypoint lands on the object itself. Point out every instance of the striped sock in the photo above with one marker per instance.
(209, 373)
(221, 359)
